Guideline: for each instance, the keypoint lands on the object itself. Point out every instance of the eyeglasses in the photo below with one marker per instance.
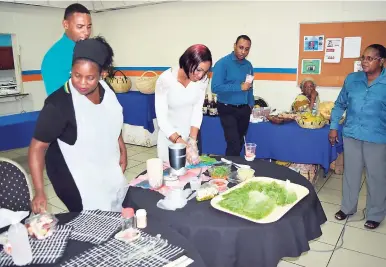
(368, 58)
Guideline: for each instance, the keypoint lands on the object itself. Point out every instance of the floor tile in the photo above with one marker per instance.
(330, 210)
(358, 221)
(287, 264)
(334, 197)
(22, 151)
(330, 195)
(50, 192)
(132, 163)
(334, 183)
(9, 154)
(368, 242)
(131, 152)
(142, 157)
(140, 148)
(348, 258)
(330, 233)
(57, 203)
(137, 169)
(54, 209)
(130, 176)
(315, 257)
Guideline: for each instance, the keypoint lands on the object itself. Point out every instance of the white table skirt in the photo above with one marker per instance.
(137, 135)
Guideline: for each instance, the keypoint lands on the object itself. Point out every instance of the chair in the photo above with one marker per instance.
(15, 189)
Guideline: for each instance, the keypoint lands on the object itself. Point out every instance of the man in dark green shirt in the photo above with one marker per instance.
(56, 65)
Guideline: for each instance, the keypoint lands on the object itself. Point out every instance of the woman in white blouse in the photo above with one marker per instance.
(179, 96)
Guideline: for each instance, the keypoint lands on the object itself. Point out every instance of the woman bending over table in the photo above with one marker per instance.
(80, 127)
(363, 97)
(179, 96)
(305, 101)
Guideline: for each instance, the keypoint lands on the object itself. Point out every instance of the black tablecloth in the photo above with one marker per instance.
(227, 241)
(154, 227)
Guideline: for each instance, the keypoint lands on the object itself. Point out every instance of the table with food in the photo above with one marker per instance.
(298, 139)
(235, 211)
(92, 238)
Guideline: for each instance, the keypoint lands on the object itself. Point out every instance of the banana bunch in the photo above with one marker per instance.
(308, 117)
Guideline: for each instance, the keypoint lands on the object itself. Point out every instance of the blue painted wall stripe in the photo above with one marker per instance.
(256, 70)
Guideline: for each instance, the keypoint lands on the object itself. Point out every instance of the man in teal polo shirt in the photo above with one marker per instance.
(233, 83)
(56, 65)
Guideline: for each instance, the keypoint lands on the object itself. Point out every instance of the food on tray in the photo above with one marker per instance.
(220, 184)
(41, 226)
(244, 173)
(257, 200)
(288, 115)
(207, 160)
(206, 192)
(219, 172)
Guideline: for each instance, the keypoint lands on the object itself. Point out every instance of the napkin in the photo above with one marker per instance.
(175, 199)
(8, 217)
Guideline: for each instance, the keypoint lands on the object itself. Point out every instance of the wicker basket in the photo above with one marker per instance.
(120, 84)
(278, 120)
(146, 85)
(310, 125)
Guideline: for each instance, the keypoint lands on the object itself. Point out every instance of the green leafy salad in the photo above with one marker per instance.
(257, 200)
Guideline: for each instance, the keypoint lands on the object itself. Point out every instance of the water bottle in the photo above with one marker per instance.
(315, 109)
(21, 248)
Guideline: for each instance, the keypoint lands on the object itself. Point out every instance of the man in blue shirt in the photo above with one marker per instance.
(56, 65)
(233, 83)
(363, 97)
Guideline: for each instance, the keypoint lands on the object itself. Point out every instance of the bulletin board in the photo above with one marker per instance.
(334, 74)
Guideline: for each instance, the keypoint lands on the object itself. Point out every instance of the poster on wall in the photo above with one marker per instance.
(311, 66)
(357, 66)
(333, 50)
(352, 47)
(314, 43)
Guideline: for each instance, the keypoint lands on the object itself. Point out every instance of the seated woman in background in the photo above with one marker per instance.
(305, 101)
(179, 96)
(80, 127)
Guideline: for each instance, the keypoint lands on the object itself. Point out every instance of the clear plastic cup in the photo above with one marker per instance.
(250, 151)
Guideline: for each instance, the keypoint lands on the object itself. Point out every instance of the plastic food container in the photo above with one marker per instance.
(220, 171)
(220, 184)
(41, 226)
(244, 174)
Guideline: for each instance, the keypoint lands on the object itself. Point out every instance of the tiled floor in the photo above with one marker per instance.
(361, 247)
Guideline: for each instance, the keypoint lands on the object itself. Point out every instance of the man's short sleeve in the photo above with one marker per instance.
(50, 124)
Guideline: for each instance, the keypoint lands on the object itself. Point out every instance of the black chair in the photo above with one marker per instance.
(15, 189)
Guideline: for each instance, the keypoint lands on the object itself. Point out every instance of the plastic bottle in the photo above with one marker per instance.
(128, 219)
(141, 218)
(315, 109)
(21, 248)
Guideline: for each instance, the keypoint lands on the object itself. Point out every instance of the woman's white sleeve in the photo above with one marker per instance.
(197, 108)
(162, 107)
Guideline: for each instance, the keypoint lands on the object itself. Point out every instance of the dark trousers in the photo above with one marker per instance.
(235, 122)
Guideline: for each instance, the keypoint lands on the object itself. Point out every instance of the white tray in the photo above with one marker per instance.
(277, 213)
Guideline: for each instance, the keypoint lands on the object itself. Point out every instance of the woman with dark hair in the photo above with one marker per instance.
(80, 128)
(179, 96)
(363, 97)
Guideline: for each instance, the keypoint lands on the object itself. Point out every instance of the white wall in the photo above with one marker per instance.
(36, 29)
(157, 35)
